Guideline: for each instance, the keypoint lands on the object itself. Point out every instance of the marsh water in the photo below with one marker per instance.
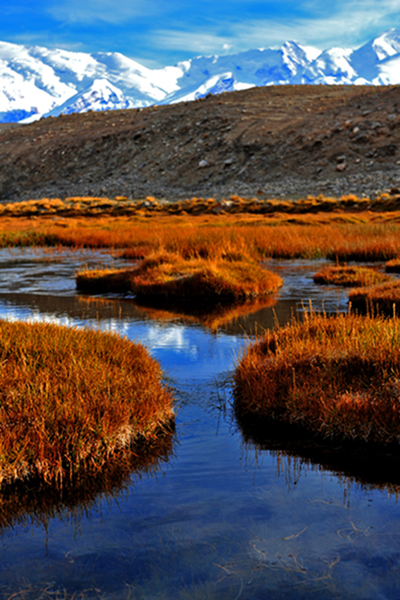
(217, 514)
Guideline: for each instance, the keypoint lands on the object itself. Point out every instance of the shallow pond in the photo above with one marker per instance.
(218, 515)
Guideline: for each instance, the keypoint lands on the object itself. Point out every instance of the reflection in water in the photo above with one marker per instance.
(37, 502)
(296, 451)
(215, 318)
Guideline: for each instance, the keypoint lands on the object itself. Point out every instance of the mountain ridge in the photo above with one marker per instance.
(277, 141)
(37, 81)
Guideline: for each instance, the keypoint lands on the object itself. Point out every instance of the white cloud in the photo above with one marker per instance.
(194, 42)
(107, 11)
(348, 24)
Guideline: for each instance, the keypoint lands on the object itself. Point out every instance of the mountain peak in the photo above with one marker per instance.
(36, 81)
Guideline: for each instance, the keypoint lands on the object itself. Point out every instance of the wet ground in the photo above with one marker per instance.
(220, 515)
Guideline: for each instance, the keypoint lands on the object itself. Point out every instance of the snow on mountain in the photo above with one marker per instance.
(333, 67)
(215, 74)
(101, 95)
(216, 84)
(36, 81)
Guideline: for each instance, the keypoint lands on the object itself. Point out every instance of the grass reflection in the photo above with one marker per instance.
(296, 451)
(37, 502)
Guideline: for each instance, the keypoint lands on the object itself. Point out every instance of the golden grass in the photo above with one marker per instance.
(72, 398)
(349, 276)
(89, 206)
(337, 236)
(337, 377)
(168, 276)
(383, 298)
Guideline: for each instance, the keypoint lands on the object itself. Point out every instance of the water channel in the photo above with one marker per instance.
(218, 515)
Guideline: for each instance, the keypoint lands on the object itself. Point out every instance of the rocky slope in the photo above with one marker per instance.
(275, 141)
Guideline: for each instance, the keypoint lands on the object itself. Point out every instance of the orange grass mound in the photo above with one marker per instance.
(349, 276)
(336, 376)
(383, 298)
(72, 398)
(167, 276)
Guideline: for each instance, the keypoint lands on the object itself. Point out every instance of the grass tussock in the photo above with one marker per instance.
(338, 377)
(165, 275)
(349, 276)
(73, 398)
(383, 298)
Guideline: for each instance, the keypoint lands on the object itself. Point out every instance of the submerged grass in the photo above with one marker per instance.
(338, 377)
(72, 398)
(169, 276)
(348, 276)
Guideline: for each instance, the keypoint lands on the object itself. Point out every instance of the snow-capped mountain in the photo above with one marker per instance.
(36, 81)
(100, 95)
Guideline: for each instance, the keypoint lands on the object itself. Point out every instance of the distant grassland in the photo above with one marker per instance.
(344, 229)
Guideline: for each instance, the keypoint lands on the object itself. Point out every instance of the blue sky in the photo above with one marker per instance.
(162, 32)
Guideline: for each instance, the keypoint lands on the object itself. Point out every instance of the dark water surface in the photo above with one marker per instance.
(220, 516)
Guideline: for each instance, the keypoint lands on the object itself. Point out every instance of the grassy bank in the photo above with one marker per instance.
(72, 398)
(337, 377)
(168, 276)
(383, 298)
(347, 276)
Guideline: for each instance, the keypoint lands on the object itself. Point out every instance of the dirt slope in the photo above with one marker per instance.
(286, 141)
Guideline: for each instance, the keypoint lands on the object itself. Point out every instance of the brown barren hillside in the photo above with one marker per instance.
(278, 141)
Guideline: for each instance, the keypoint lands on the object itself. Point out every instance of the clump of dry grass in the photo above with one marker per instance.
(348, 276)
(72, 398)
(383, 298)
(338, 377)
(168, 276)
